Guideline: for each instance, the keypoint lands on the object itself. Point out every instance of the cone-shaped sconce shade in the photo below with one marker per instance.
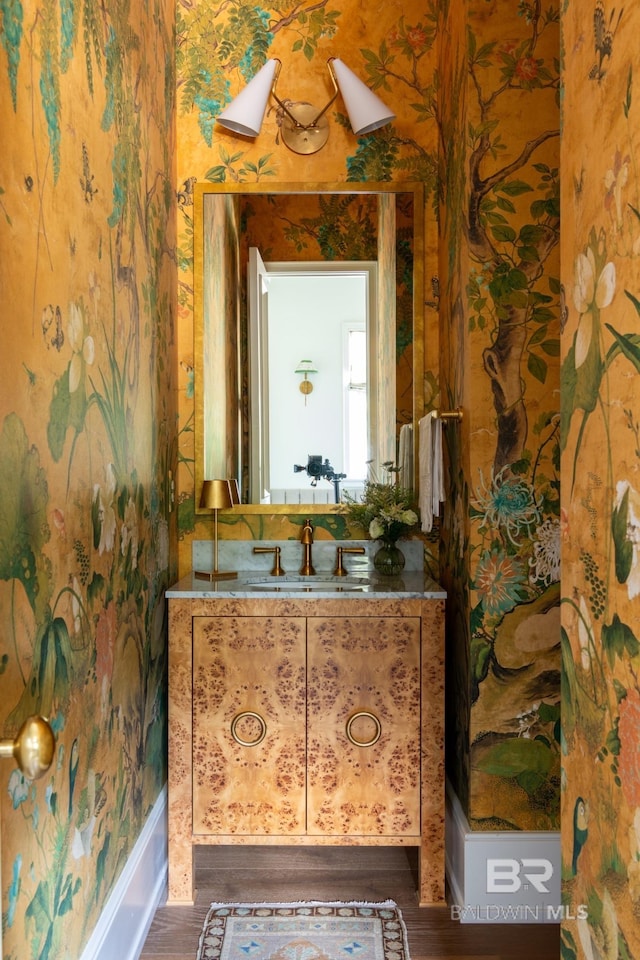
(245, 114)
(366, 111)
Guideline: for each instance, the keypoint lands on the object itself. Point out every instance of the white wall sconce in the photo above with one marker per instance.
(305, 128)
(305, 367)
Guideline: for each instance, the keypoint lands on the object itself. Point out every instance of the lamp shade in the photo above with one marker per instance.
(216, 495)
(245, 114)
(306, 366)
(366, 111)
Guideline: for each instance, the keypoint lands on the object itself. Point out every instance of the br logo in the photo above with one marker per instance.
(508, 876)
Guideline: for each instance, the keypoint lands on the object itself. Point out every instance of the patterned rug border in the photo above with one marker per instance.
(230, 909)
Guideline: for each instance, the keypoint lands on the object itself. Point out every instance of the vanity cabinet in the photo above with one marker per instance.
(314, 721)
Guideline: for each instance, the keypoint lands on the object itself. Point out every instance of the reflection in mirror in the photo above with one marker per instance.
(370, 231)
(321, 426)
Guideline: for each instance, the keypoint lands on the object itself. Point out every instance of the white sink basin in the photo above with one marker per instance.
(309, 584)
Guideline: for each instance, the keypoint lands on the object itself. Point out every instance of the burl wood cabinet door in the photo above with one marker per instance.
(363, 726)
(249, 725)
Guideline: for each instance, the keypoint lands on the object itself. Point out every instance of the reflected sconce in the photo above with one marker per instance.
(305, 367)
(216, 495)
(305, 128)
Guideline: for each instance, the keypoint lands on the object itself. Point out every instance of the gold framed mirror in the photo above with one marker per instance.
(332, 222)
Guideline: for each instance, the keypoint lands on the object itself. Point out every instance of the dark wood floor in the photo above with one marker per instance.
(250, 874)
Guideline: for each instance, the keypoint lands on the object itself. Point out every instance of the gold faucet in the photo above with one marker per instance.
(277, 570)
(340, 569)
(306, 539)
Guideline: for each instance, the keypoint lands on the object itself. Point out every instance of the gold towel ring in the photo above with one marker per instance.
(363, 743)
(254, 716)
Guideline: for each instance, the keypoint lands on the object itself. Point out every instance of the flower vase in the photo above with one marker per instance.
(389, 560)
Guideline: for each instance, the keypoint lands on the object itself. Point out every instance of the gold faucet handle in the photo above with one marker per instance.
(277, 570)
(340, 570)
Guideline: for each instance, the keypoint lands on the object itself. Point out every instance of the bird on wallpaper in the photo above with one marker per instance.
(580, 831)
(603, 36)
(73, 772)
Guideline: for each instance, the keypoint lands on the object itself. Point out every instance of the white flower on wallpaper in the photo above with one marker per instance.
(82, 346)
(545, 562)
(590, 292)
(103, 507)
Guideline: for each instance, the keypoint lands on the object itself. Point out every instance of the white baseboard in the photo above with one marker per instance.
(498, 876)
(125, 920)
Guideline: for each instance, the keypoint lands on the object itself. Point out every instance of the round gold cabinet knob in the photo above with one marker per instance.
(377, 728)
(33, 748)
(254, 718)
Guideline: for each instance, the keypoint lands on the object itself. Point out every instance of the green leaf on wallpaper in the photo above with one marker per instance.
(548, 712)
(537, 367)
(24, 529)
(10, 38)
(480, 662)
(619, 639)
(50, 79)
(68, 15)
(503, 234)
(623, 548)
(529, 254)
(568, 946)
(517, 756)
(507, 205)
(52, 665)
(626, 103)
(514, 188)
(65, 410)
(551, 347)
(612, 740)
(629, 343)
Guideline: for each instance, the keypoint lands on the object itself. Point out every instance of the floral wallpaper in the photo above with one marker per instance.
(600, 451)
(94, 354)
(389, 45)
(500, 305)
(492, 213)
(87, 447)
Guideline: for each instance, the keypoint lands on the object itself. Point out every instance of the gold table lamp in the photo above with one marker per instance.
(216, 495)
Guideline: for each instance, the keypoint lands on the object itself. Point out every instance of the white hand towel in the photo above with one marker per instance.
(431, 492)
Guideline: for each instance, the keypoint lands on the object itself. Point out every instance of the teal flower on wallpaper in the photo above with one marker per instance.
(508, 504)
(14, 890)
(500, 581)
(208, 110)
(18, 788)
(10, 37)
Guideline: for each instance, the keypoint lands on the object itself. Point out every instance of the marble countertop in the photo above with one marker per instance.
(253, 578)
(358, 585)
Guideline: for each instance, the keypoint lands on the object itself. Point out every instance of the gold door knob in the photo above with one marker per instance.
(33, 748)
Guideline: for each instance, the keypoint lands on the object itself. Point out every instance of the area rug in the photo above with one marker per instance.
(304, 931)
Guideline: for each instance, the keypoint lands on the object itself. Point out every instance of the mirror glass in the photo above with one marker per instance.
(293, 419)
